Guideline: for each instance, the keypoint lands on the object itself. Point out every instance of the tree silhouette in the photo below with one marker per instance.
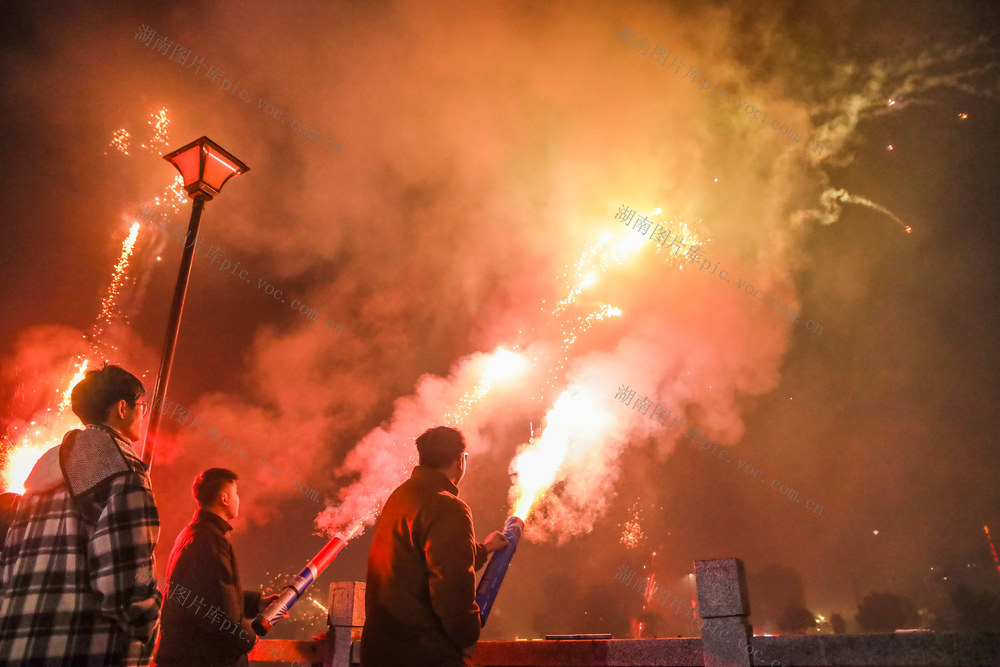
(796, 619)
(885, 612)
(839, 624)
(773, 590)
(977, 610)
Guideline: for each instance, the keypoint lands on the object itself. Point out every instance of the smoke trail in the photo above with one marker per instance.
(830, 212)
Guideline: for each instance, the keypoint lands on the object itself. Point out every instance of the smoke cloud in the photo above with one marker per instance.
(486, 152)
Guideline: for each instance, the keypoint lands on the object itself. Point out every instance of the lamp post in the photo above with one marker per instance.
(205, 167)
(694, 608)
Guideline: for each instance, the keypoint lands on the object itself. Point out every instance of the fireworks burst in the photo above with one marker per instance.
(632, 534)
(500, 365)
(110, 300)
(575, 416)
(159, 121)
(536, 468)
(119, 141)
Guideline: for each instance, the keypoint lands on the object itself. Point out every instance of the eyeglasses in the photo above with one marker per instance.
(465, 456)
(143, 406)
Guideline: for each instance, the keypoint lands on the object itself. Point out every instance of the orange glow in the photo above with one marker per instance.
(18, 463)
(501, 365)
(37, 438)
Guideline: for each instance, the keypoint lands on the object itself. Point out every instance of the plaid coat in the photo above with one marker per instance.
(76, 575)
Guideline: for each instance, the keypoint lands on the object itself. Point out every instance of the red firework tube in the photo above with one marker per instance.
(294, 589)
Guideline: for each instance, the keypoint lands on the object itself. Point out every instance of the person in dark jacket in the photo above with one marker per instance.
(420, 597)
(206, 615)
(74, 584)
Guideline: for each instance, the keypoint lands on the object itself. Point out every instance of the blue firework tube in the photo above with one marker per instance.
(489, 585)
(294, 589)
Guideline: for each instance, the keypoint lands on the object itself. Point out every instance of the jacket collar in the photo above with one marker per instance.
(212, 519)
(95, 454)
(434, 477)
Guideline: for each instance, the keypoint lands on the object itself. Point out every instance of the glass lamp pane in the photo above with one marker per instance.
(218, 169)
(187, 163)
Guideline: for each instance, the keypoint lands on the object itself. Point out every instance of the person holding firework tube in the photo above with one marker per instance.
(420, 601)
(205, 612)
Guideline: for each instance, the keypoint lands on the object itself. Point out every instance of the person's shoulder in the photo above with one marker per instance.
(445, 502)
(130, 482)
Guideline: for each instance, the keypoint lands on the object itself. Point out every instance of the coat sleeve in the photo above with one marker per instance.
(450, 549)
(251, 603)
(217, 582)
(481, 555)
(121, 549)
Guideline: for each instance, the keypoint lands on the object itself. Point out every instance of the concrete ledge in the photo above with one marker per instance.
(973, 649)
(889, 649)
(589, 653)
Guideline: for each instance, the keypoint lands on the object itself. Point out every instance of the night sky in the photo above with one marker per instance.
(458, 161)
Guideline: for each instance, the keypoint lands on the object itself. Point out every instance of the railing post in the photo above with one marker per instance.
(346, 619)
(724, 608)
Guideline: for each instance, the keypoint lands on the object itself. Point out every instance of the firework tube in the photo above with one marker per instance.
(294, 589)
(489, 585)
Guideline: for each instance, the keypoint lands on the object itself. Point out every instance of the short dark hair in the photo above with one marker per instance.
(93, 396)
(440, 446)
(209, 483)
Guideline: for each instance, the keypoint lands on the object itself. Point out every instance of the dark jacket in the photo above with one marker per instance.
(420, 598)
(74, 575)
(204, 608)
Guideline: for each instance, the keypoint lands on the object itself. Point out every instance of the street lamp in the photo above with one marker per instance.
(205, 167)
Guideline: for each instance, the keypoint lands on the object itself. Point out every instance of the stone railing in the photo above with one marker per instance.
(727, 639)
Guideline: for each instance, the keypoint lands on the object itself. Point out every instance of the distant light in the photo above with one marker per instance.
(889, 148)
(874, 532)
(891, 101)
(963, 116)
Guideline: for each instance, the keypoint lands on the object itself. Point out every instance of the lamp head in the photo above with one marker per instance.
(205, 166)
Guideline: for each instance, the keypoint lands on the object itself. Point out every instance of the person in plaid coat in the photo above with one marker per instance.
(76, 574)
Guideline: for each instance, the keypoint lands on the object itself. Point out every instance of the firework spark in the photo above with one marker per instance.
(119, 141)
(632, 534)
(110, 300)
(158, 121)
(499, 366)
